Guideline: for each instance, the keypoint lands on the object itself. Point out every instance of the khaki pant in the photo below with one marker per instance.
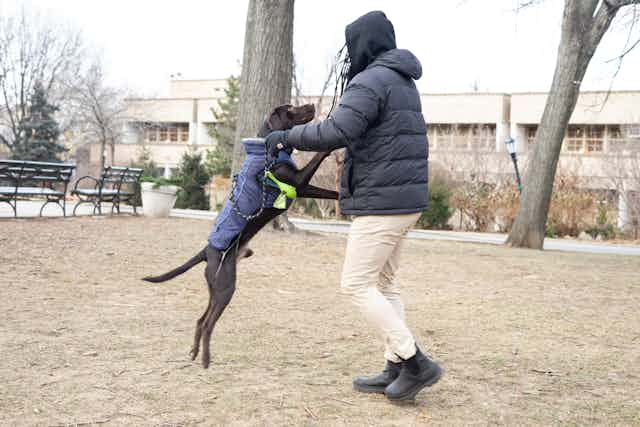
(368, 277)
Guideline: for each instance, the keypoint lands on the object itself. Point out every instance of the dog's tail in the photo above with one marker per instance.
(200, 256)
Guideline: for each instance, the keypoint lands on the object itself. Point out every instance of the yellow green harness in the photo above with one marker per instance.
(287, 191)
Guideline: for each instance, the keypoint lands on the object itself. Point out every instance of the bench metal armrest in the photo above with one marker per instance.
(97, 181)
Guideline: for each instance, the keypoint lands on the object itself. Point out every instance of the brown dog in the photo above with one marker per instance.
(220, 271)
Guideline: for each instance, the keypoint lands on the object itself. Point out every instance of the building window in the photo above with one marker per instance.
(594, 139)
(184, 132)
(614, 133)
(623, 138)
(632, 131)
(173, 133)
(530, 134)
(483, 137)
(584, 139)
(574, 141)
(165, 132)
(461, 137)
(432, 137)
(151, 134)
(441, 135)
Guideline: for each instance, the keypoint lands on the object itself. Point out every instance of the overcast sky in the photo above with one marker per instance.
(460, 42)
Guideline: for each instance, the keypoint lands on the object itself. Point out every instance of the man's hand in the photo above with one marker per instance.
(277, 141)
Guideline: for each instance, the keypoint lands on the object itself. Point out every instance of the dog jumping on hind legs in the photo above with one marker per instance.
(263, 190)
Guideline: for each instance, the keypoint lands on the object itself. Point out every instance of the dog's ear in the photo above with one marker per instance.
(282, 109)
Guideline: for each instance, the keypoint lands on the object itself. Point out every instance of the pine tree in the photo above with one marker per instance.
(192, 177)
(218, 161)
(38, 130)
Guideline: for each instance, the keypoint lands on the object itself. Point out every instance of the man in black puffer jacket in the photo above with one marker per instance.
(384, 185)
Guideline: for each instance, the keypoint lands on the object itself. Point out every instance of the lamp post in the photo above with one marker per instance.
(511, 148)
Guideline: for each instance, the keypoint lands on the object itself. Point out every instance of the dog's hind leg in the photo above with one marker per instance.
(222, 282)
(195, 349)
(213, 261)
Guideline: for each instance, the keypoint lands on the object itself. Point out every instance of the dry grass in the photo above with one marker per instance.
(526, 338)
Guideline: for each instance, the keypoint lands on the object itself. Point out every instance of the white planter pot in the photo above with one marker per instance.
(157, 202)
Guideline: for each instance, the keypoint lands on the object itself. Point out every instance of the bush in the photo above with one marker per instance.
(218, 161)
(192, 177)
(307, 207)
(474, 200)
(437, 214)
(158, 181)
(506, 199)
(571, 207)
(603, 228)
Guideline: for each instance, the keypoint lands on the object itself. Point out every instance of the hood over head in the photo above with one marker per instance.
(367, 37)
(402, 61)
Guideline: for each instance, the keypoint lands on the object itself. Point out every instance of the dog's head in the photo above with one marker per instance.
(287, 116)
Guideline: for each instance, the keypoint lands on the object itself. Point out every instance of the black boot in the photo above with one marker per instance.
(378, 383)
(417, 373)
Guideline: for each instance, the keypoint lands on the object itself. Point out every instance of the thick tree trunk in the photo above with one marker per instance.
(266, 71)
(581, 33)
(266, 76)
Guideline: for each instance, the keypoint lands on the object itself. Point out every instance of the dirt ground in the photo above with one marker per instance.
(525, 337)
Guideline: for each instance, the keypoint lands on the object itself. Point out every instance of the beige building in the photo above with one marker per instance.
(165, 127)
(601, 146)
(170, 125)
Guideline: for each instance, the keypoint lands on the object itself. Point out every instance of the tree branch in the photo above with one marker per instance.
(626, 50)
(523, 4)
(5, 141)
(617, 4)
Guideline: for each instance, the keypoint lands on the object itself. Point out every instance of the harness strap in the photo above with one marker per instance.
(287, 191)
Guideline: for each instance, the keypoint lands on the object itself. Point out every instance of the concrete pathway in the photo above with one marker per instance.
(567, 245)
(31, 208)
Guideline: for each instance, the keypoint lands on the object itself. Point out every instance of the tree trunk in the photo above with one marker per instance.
(581, 33)
(112, 147)
(266, 76)
(103, 150)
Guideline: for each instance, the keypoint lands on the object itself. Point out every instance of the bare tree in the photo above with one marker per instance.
(583, 25)
(32, 50)
(98, 110)
(328, 175)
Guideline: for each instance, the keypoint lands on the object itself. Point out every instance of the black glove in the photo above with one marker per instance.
(277, 141)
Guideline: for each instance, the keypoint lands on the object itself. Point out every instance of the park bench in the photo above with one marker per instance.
(115, 185)
(21, 179)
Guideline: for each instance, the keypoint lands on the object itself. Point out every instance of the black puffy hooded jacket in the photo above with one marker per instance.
(379, 120)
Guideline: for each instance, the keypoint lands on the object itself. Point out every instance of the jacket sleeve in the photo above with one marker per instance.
(357, 110)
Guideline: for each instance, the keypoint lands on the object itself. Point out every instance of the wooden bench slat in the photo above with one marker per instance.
(30, 191)
(105, 192)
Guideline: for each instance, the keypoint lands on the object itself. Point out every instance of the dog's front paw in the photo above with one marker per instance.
(244, 253)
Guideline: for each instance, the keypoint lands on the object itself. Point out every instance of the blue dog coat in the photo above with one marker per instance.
(247, 193)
